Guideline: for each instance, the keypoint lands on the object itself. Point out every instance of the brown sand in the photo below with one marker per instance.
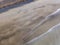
(15, 24)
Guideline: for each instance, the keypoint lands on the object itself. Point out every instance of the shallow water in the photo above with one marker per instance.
(51, 37)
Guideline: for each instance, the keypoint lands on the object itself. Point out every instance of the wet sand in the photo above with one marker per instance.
(16, 24)
(50, 37)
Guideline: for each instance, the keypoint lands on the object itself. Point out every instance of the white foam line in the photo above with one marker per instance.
(54, 13)
(49, 16)
(46, 18)
(43, 34)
